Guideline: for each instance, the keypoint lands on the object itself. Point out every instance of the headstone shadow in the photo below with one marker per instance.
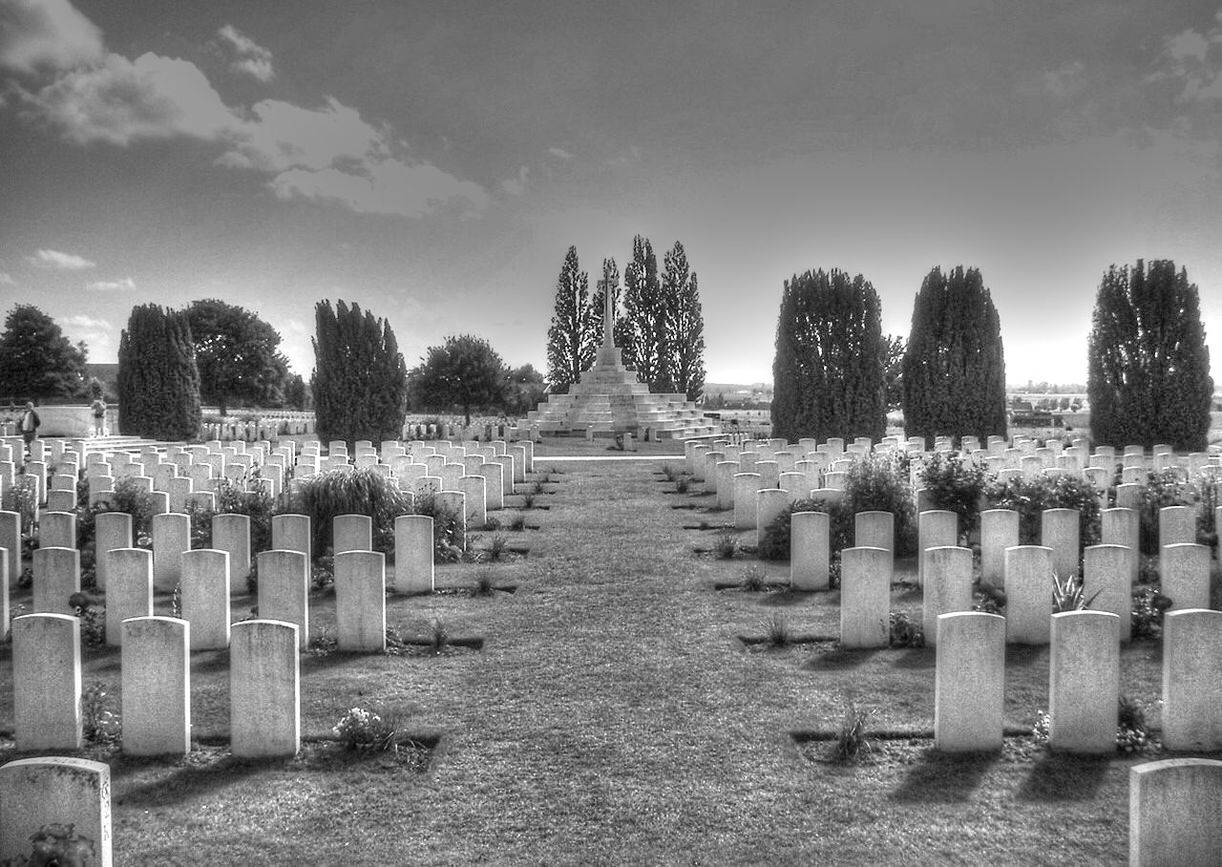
(945, 778)
(840, 658)
(1065, 777)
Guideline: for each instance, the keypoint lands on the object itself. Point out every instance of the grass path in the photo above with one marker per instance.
(614, 717)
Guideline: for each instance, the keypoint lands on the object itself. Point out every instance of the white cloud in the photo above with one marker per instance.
(560, 153)
(515, 186)
(58, 261)
(7, 279)
(124, 285)
(121, 101)
(98, 334)
(46, 33)
(325, 154)
(252, 58)
(1188, 44)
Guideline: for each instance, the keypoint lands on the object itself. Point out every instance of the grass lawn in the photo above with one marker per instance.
(614, 714)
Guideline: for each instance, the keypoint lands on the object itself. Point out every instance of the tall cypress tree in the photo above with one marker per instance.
(571, 340)
(953, 371)
(644, 315)
(359, 380)
(828, 369)
(158, 382)
(1148, 379)
(684, 323)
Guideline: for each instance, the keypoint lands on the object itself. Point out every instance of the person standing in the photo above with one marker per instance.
(29, 425)
(99, 416)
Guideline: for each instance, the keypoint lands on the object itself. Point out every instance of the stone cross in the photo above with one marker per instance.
(608, 315)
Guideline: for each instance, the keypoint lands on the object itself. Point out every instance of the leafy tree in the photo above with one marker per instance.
(296, 394)
(828, 369)
(1148, 379)
(36, 360)
(685, 323)
(524, 390)
(954, 374)
(893, 369)
(572, 342)
(645, 318)
(237, 356)
(158, 382)
(359, 382)
(464, 371)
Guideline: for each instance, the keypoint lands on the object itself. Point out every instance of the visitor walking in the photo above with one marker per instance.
(29, 425)
(99, 417)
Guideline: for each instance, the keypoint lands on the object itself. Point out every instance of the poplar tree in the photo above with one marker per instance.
(359, 381)
(1148, 379)
(645, 317)
(953, 372)
(157, 381)
(572, 342)
(685, 323)
(828, 369)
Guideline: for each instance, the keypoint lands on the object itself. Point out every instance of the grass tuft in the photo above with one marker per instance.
(851, 740)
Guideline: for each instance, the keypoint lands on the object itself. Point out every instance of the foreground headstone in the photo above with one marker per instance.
(284, 590)
(809, 550)
(46, 682)
(1084, 681)
(171, 539)
(745, 506)
(10, 541)
(265, 688)
(111, 530)
(156, 679)
(56, 529)
(865, 597)
(1123, 527)
(1175, 813)
(55, 790)
(231, 534)
(874, 530)
(969, 682)
(292, 533)
(1192, 680)
(360, 601)
(1059, 532)
(770, 504)
(352, 533)
(1105, 583)
(948, 586)
(414, 568)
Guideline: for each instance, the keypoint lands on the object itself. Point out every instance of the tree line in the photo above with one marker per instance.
(836, 374)
(661, 330)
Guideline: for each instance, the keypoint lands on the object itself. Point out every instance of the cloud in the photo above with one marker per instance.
(561, 153)
(46, 33)
(384, 187)
(326, 154)
(124, 285)
(97, 334)
(515, 186)
(55, 260)
(120, 101)
(252, 58)
(7, 279)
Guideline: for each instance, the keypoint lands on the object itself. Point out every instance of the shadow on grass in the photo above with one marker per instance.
(184, 781)
(1062, 777)
(785, 597)
(945, 778)
(839, 658)
(915, 657)
(1023, 655)
(205, 661)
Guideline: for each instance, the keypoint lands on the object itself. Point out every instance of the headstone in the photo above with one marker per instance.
(1106, 585)
(745, 507)
(414, 565)
(352, 533)
(360, 601)
(1176, 525)
(1084, 681)
(936, 528)
(156, 679)
(1184, 575)
(1175, 813)
(55, 790)
(10, 541)
(171, 538)
(874, 530)
(284, 590)
(231, 534)
(969, 682)
(726, 470)
(474, 491)
(998, 531)
(809, 550)
(948, 586)
(494, 490)
(1059, 531)
(130, 588)
(265, 687)
(205, 597)
(1123, 527)
(1192, 680)
(57, 575)
(770, 504)
(1028, 586)
(46, 682)
(292, 533)
(865, 597)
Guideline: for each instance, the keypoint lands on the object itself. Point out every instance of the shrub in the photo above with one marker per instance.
(682, 484)
(851, 740)
(905, 632)
(1042, 729)
(528, 500)
(448, 541)
(1031, 497)
(1161, 489)
(92, 617)
(126, 497)
(1068, 594)
(1132, 731)
(356, 492)
(956, 485)
(20, 497)
(100, 720)
(880, 483)
(1147, 616)
(669, 472)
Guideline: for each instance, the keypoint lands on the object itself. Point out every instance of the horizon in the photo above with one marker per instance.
(434, 163)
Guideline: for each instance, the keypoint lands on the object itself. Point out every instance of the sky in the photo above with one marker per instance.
(433, 161)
